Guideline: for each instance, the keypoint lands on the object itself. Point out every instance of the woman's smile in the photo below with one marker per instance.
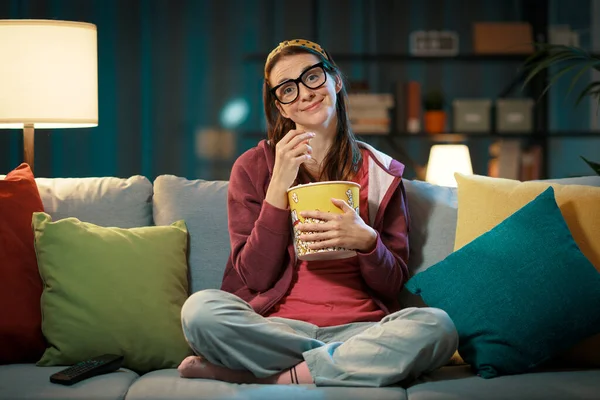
(313, 106)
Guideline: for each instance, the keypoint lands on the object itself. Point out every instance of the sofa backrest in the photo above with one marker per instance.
(105, 201)
(203, 206)
(433, 215)
(123, 203)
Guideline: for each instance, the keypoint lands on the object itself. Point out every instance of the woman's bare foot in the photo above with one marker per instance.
(199, 367)
(193, 367)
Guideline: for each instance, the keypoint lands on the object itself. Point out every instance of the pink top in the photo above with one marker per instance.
(332, 292)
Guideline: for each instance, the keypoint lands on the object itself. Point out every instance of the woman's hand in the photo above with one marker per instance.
(291, 151)
(346, 230)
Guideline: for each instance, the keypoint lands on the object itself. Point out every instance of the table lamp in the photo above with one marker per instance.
(444, 161)
(48, 77)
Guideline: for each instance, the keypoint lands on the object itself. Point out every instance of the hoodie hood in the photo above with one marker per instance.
(385, 174)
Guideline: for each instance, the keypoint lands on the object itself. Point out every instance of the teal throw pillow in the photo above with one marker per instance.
(518, 294)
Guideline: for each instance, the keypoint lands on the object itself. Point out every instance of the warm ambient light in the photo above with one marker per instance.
(445, 160)
(48, 76)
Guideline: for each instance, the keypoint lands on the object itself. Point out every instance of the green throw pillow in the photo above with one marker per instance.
(112, 290)
(518, 294)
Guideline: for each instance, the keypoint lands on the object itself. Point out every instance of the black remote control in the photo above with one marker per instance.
(87, 369)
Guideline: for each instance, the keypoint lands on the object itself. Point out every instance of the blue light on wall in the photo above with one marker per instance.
(234, 113)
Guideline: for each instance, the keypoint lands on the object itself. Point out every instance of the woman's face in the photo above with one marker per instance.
(313, 108)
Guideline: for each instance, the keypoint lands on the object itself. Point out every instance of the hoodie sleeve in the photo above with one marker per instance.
(385, 268)
(258, 232)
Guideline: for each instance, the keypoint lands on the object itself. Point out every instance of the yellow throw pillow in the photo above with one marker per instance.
(484, 202)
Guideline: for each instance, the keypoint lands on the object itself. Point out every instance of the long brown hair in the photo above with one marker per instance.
(343, 157)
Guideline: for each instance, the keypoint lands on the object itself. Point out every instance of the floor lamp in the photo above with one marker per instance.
(48, 77)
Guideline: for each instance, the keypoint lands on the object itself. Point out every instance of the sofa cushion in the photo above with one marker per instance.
(166, 384)
(125, 203)
(432, 226)
(28, 382)
(518, 294)
(453, 383)
(112, 290)
(484, 202)
(21, 337)
(578, 180)
(203, 206)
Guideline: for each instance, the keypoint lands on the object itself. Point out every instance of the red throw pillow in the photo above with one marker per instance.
(21, 338)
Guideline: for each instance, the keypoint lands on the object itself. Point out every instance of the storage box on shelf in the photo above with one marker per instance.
(514, 115)
(471, 115)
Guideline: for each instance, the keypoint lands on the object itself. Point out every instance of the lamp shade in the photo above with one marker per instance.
(48, 74)
(445, 160)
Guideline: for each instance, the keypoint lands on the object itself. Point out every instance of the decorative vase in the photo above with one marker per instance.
(435, 121)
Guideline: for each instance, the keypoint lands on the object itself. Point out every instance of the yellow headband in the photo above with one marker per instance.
(296, 42)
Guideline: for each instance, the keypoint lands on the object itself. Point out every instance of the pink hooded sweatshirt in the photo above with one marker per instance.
(260, 267)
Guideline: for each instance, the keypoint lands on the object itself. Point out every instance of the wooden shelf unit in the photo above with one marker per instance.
(533, 11)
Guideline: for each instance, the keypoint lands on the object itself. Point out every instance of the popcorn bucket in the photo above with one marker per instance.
(317, 196)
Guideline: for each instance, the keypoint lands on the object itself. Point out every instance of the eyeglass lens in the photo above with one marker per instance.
(312, 78)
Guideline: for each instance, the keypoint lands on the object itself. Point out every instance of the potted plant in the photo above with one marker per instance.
(434, 116)
(565, 58)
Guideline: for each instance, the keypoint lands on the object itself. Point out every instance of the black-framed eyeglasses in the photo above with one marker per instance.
(313, 78)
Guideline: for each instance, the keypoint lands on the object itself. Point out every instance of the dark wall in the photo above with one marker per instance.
(168, 69)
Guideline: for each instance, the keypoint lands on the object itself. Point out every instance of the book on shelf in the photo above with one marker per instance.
(365, 119)
(510, 161)
(412, 102)
(407, 108)
(371, 100)
(371, 129)
(370, 112)
(531, 163)
(377, 113)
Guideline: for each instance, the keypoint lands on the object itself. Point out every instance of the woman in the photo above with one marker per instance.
(281, 320)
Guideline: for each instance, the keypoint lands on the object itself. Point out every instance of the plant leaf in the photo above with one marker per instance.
(545, 48)
(593, 165)
(596, 94)
(585, 68)
(549, 55)
(556, 76)
(589, 89)
(547, 63)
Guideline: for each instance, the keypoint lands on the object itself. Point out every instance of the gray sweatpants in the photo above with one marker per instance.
(226, 331)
